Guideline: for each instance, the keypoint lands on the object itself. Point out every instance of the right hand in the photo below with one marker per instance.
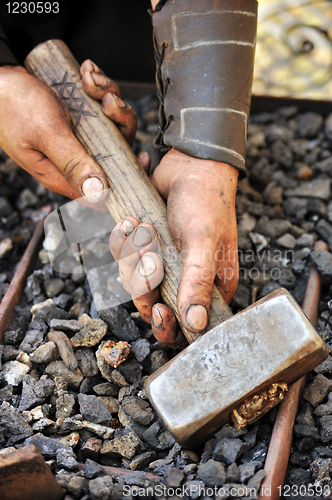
(35, 131)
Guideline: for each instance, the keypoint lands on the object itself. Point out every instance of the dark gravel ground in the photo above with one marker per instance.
(57, 391)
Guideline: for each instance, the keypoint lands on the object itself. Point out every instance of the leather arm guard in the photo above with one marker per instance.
(205, 57)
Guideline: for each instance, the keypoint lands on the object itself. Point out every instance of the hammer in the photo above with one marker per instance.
(253, 354)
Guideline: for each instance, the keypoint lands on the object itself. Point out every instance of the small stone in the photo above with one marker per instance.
(26, 198)
(87, 362)
(323, 261)
(33, 287)
(5, 207)
(66, 325)
(23, 357)
(13, 337)
(40, 412)
(309, 124)
(65, 457)
(111, 403)
(93, 409)
(256, 481)
(296, 207)
(59, 369)
(325, 367)
(174, 477)
(306, 444)
(53, 287)
(105, 369)
(101, 488)
(64, 348)
(43, 423)
(71, 440)
(287, 279)
(232, 474)
(131, 370)
(47, 446)
(47, 310)
(93, 469)
(32, 340)
(126, 446)
(76, 486)
(6, 246)
(158, 359)
(65, 406)
(12, 424)
(102, 431)
(241, 298)
(287, 241)
(259, 241)
(106, 389)
(326, 428)
(138, 410)
(118, 379)
(13, 372)
(35, 392)
(91, 334)
(317, 390)
(142, 460)
(44, 256)
(248, 470)
(90, 450)
(120, 323)
(45, 353)
(62, 301)
(229, 449)
(318, 188)
(115, 353)
(306, 416)
(303, 430)
(212, 473)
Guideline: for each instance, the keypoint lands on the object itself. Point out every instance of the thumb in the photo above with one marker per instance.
(196, 285)
(64, 150)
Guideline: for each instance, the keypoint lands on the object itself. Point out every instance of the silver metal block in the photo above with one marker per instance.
(270, 341)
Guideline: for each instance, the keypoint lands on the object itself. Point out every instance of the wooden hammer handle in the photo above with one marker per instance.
(131, 191)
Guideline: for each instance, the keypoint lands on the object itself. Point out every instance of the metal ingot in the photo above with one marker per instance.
(270, 341)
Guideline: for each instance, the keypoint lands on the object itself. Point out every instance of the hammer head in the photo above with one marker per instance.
(271, 341)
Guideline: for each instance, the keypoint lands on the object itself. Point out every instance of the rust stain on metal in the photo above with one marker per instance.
(12, 296)
(281, 440)
(256, 406)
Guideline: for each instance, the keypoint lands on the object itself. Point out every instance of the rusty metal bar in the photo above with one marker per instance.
(281, 440)
(12, 296)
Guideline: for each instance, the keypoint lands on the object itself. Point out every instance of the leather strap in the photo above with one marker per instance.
(205, 57)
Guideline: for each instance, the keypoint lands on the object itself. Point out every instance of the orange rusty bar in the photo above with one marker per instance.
(12, 296)
(25, 474)
(281, 440)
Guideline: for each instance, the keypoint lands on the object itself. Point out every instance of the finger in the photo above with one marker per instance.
(87, 66)
(227, 279)
(195, 290)
(58, 143)
(145, 280)
(119, 235)
(122, 114)
(143, 239)
(144, 161)
(165, 328)
(97, 85)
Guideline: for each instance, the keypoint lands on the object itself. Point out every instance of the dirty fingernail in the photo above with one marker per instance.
(99, 80)
(156, 317)
(126, 227)
(92, 189)
(197, 317)
(142, 237)
(147, 265)
(119, 101)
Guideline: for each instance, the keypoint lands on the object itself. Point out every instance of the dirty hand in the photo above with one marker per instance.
(200, 197)
(35, 130)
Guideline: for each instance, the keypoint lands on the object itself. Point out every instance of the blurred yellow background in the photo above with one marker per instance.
(294, 49)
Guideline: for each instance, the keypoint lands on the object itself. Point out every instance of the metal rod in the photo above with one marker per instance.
(281, 440)
(13, 294)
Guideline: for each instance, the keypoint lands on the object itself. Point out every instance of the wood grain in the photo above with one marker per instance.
(131, 190)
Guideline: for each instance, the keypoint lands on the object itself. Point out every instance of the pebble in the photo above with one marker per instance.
(100, 430)
(259, 241)
(317, 188)
(131, 370)
(241, 298)
(93, 409)
(32, 340)
(118, 379)
(228, 449)
(13, 337)
(53, 287)
(158, 359)
(323, 261)
(87, 362)
(6, 246)
(12, 424)
(45, 353)
(306, 415)
(115, 353)
(48, 446)
(138, 410)
(325, 367)
(120, 323)
(326, 428)
(306, 240)
(59, 369)
(142, 460)
(92, 469)
(90, 449)
(317, 390)
(212, 473)
(64, 348)
(105, 369)
(309, 124)
(111, 403)
(101, 488)
(26, 198)
(127, 446)
(65, 406)
(66, 325)
(106, 389)
(13, 372)
(5, 207)
(65, 457)
(35, 392)
(287, 241)
(91, 334)
(47, 310)
(62, 301)
(232, 474)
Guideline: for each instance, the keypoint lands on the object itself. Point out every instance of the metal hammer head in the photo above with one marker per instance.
(271, 341)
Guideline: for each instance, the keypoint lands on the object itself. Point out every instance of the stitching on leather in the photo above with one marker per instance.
(162, 86)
